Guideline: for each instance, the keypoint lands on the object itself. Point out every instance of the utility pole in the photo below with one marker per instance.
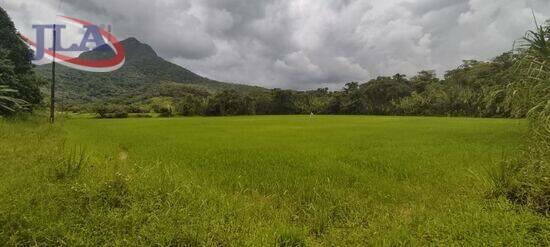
(52, 92)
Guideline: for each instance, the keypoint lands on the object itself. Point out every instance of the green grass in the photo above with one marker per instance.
(261, 181)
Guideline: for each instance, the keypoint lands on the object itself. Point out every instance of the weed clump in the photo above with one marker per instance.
(186, 240)
(290, 239)
(319, 227)
(525, 181)
(69, 168)
(115, 193)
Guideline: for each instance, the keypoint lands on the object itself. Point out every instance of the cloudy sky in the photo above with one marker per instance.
(303, 44)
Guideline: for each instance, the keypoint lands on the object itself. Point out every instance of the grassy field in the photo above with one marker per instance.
(261, 181)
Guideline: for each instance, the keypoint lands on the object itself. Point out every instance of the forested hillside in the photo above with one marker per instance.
(143, 77)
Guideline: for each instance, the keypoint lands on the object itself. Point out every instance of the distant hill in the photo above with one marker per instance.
(144, 75)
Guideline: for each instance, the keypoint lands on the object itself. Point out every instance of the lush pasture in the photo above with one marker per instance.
(289, 180)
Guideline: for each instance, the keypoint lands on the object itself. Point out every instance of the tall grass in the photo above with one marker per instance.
(526, 179)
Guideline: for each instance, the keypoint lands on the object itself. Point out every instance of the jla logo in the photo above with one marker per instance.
(93, 35)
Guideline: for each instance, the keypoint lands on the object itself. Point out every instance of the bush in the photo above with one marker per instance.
(137, 109)
(526, 180)
(104, 111)
(530, 178)
(142, 115)
(518, 182)
(115, 115)
(165, 112)
(120, 114)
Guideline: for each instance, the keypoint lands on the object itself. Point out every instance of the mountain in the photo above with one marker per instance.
(144, 75)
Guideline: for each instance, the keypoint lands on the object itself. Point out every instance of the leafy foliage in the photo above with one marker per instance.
(19, 85)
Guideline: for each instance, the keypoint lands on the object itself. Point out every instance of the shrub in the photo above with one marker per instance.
(120, 114)
(105, 111)
(136, 109)
(525, 181)
(165, 112)
(101, 111)
(142, 115)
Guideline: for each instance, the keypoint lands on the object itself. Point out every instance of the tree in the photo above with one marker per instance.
(352, 99)
(381, 93)
(432, 101)
(19, 53)
(227, 103)
(315, 101)
(15, 65)
(190, 105)
(283, 102)
(422, 80)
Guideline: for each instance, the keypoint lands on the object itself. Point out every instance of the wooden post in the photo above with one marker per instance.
(52, 90)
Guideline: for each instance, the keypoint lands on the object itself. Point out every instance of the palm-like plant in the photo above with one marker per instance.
(9, 103)
(537, 42)
(538, 54)
(531, 91)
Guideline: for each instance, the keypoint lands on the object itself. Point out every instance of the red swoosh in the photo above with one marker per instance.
(116, 60)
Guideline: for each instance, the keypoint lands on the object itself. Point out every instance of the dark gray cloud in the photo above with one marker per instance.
(304, 43)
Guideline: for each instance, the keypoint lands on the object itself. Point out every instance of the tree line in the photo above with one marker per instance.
(475, 89)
